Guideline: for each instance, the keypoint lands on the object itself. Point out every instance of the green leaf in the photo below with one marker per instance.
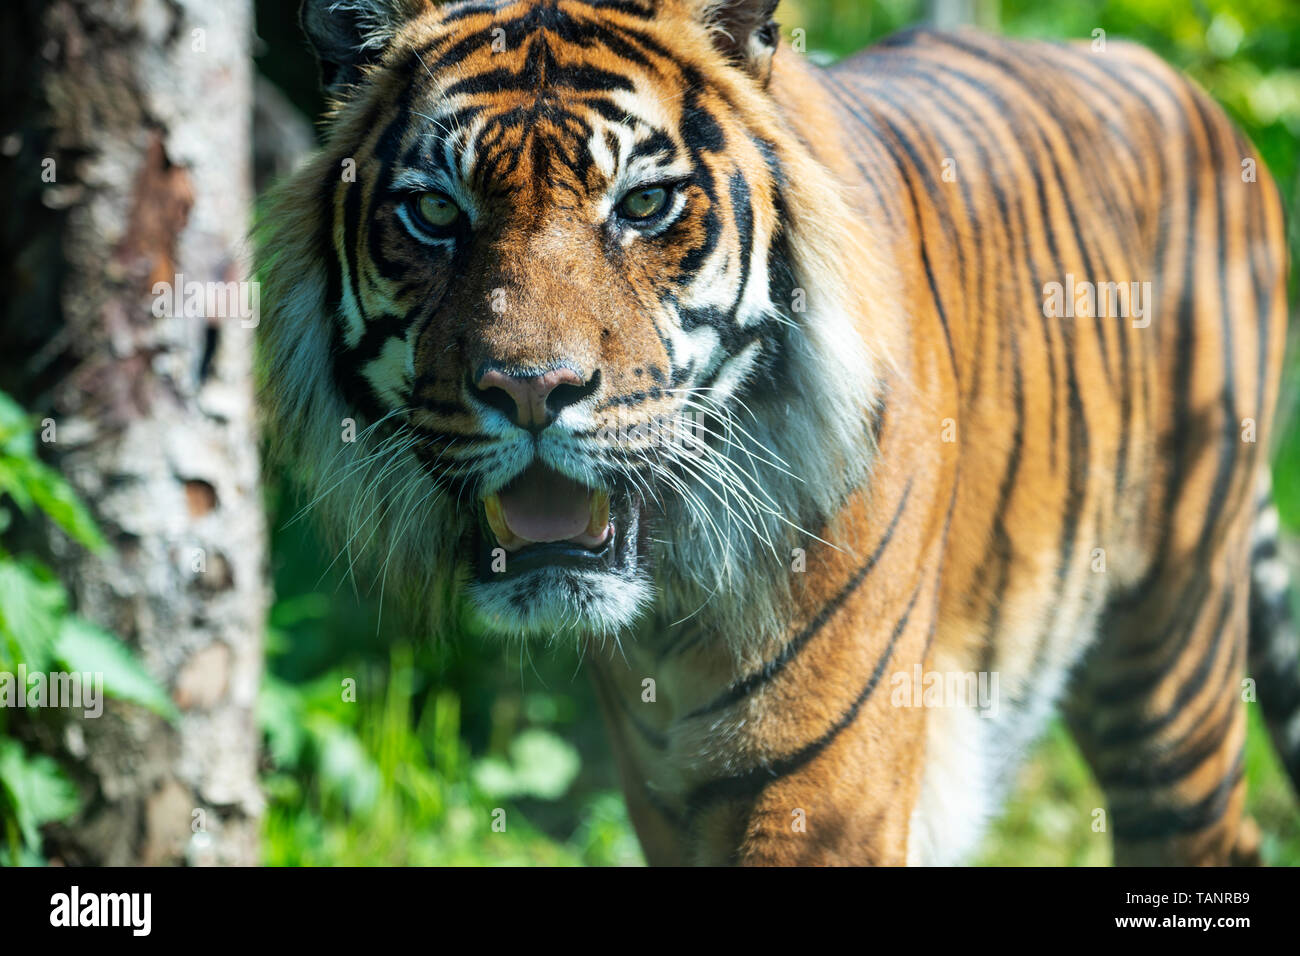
(542, 765)
(495, 777)
(545, 764)
(81, 646)
(15, 429)
(279, 715)
(13, 484)
(346, 770)
(35, 789)
(27, 479)
(290, 612)
(30, 608)
(56, 498)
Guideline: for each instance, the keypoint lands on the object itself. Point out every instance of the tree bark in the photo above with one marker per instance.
(142, 111)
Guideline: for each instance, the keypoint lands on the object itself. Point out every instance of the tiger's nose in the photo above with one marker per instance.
(534, 401)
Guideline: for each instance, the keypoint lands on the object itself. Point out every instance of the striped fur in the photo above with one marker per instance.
(912, 465)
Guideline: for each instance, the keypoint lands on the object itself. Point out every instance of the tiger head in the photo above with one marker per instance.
(554, 322)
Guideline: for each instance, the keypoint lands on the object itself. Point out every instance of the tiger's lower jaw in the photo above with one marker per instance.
(551, 601)
(545, 589)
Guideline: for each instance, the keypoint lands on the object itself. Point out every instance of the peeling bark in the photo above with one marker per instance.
(148, 123)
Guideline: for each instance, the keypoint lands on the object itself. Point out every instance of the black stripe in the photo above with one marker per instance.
(998, 555)
(1132, 732)
(1178, 760)
(1162, 824)
(1176, 447)
(924, 249)
(858, 133)
(1230, 438)
(750, 783)
(1073, 507)
(1008, 113)
(1188, 605)
(744, 687)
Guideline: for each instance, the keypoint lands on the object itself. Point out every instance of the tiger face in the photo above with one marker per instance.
(549, 292)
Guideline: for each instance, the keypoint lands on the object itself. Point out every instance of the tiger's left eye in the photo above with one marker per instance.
(641, 204)
(437, 210)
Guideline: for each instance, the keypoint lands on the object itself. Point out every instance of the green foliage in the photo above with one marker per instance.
(28, 482)
(386, 749)
(33, 791)
(541, 765)
(32, 606)
(82, 647)
(373, 770)
(37, 632)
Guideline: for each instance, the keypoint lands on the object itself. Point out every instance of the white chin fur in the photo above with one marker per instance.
(550, 601)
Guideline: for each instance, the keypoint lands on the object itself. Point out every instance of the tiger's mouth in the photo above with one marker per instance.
(544, 519)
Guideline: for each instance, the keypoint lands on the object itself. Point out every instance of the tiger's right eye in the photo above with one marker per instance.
(642, 204)
(436, 210)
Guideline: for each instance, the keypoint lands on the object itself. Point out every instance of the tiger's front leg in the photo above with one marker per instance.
(840, 787)
(791, 752)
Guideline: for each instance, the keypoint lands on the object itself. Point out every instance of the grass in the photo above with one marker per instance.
(388, 779)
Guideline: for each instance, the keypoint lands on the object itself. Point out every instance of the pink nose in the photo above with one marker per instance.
(531, 401)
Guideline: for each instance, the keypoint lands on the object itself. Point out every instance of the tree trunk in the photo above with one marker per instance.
(128, 148)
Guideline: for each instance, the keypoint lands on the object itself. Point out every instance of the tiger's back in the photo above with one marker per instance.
(1080, 478)
(1109, 447)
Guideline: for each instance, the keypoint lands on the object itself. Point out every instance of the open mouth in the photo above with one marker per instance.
(544, 519)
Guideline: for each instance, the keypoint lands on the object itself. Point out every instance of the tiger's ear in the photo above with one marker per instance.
(346, 35)
(743, 31)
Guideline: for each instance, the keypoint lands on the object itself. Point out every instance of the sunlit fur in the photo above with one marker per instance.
(910, 466)
(734, 510)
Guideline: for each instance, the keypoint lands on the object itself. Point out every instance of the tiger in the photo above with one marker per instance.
(850, 423)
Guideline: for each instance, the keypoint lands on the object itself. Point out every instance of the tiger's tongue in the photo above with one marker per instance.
(543, 505)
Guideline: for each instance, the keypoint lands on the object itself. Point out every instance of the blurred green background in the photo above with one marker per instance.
(440, 737)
